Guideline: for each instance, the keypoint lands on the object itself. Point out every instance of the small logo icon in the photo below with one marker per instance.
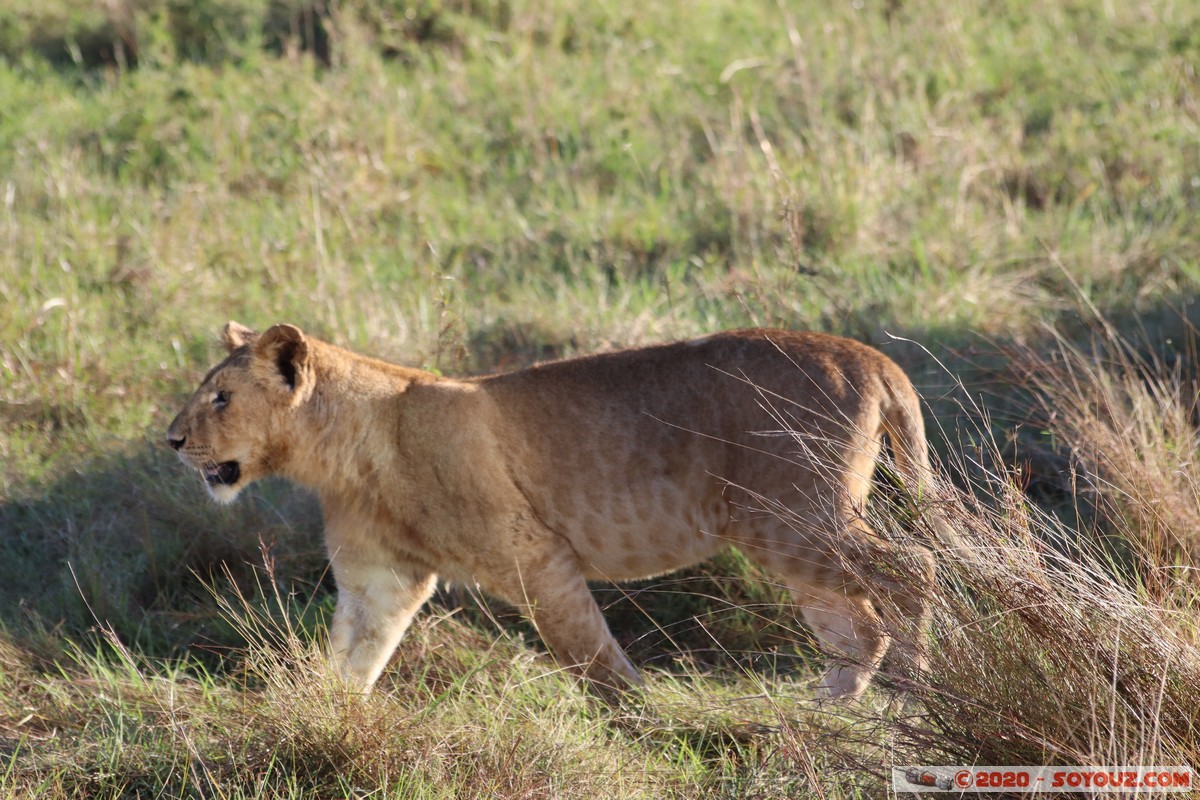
(923, 777)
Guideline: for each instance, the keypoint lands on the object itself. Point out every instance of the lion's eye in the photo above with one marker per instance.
(221, 400)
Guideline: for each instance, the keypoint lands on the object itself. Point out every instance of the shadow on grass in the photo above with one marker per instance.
(129, 540)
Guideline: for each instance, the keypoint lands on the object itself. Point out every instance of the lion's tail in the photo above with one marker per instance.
(905, 427)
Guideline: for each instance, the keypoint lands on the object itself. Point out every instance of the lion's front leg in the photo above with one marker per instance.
(375, 606)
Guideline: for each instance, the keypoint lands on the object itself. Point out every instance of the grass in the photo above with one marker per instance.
(1010, 188)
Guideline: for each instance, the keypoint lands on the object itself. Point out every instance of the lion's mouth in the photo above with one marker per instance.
(224, 474)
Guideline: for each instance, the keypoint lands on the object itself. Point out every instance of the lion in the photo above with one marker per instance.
(615, 466)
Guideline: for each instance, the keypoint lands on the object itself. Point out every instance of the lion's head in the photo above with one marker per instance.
(231, 430)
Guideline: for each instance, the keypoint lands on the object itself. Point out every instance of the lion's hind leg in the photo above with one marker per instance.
(881, 591)
(902, 585)
(853, 636)
(856, 591)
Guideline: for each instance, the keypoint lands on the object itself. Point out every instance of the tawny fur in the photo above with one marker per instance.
(614, 466)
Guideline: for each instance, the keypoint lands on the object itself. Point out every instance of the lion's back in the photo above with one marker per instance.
(633, 453)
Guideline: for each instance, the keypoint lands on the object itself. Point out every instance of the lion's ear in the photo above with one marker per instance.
(236, 335)
(281, 358)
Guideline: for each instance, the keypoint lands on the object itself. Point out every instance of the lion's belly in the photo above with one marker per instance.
(646, 530)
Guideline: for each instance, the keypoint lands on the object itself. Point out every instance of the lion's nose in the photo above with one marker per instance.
(176, 443)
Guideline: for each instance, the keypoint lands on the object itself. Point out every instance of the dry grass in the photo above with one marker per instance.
(1129, 423)
(1049, 658)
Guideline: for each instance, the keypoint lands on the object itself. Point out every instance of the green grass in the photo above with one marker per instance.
(474, 185)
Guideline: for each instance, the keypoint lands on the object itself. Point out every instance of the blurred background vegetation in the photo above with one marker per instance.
(475, 185)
